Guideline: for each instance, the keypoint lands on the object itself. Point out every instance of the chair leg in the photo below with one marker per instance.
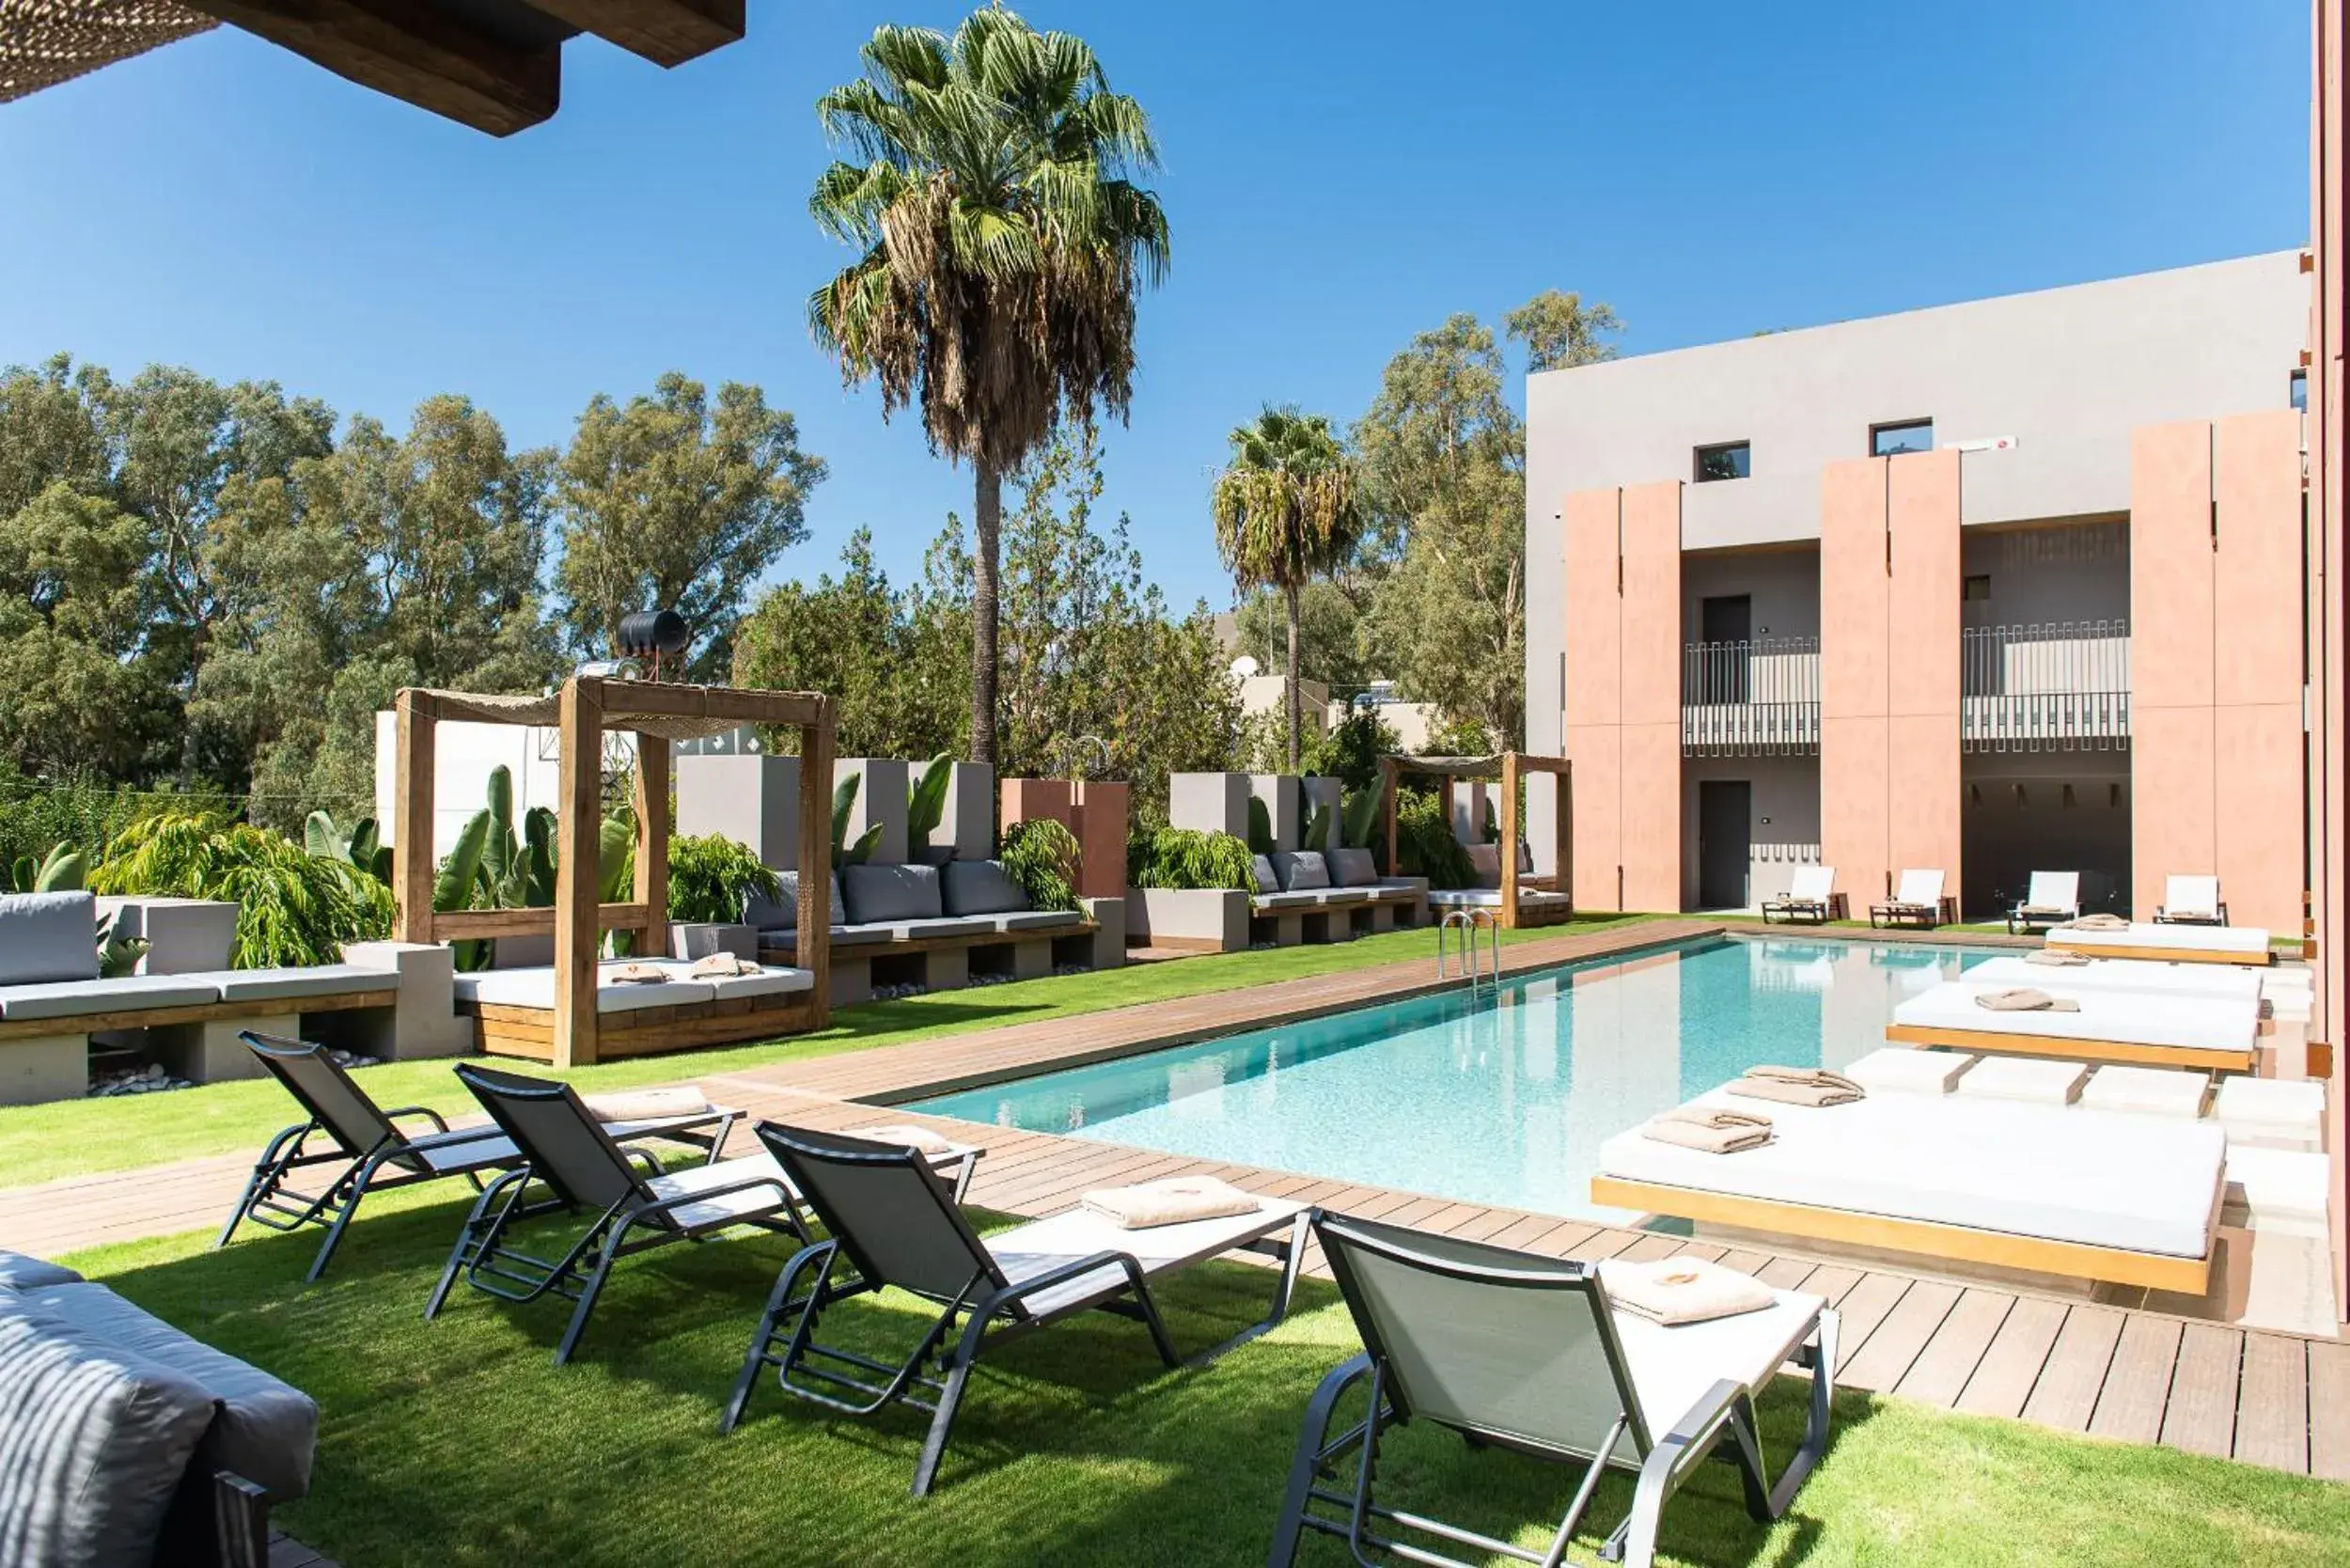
(779, 1302)
(605, 1256)
(942, 1418)
(1310, 1457)
(334, 1232)
(1157, 1325)
(480, 1227)
(254, 1187)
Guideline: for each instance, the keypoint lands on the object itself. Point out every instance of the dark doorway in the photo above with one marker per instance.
(1725, 842)
(1725, 624)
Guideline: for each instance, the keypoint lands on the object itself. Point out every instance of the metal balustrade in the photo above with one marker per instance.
(1752, 698)
(2052, 686)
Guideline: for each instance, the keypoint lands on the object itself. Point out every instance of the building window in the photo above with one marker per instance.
(2297, 391)
(1909, 435)
(1977, 589)
(1731, 460)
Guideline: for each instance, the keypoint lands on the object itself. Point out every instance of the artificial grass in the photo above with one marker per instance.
(457, 1444)
(69, 1138)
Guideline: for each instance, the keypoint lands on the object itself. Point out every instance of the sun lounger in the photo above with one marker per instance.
(1811, 896)
(2053, 898)
(1918, 901)
(357, 1148)
(1525, 1352)
(893, 1222)
(2119, 974)
(2041, 1189)
(2214, 1033)
(2192, 900)
(2169, 944)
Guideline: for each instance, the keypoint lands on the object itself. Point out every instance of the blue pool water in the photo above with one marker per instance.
(1502, 1100)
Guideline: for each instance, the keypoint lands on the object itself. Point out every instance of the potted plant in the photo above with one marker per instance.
(711, 878)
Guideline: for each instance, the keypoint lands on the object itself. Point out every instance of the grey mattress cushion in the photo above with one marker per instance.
(1301, 871)
(1353, 867)
(21, 1272)
(48, 936)
(94, 1439)
(1038, 920)
(1262, 866)
(885, 895)
(118, 993)
(265, 1430)
(980, 887)
(782, 912)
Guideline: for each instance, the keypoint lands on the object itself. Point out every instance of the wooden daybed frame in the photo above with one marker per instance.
(1077, 925)
(573, 1033)
(2164, 955)
(1508, 767)
(2208, 1059)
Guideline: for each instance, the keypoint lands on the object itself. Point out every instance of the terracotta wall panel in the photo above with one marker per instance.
(1597, 752)
(1923, 615)
(1854, 800)
(2261, 811)
(1855, 604)
(2257, 569)
(1594, 621)
(2172, 830)
(2171, 566)
(1651, 816)
(1651, 607)
(1925, 796)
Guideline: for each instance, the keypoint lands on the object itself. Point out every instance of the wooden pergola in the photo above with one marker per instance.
(1508, 767)
(587, 709)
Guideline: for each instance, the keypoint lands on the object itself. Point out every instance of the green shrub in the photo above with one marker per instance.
(1185, 857)
(293, 907)
(1041, 856)
(712, 877)
(37, 815)
(1425, 845)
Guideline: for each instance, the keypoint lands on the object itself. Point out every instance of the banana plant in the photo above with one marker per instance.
(615, 872)
(1359, 821)
(61, 871)
(1259, 826)
(926, 804)
(844, 802)
(1316, 833)
(458, 880)
(361, 846)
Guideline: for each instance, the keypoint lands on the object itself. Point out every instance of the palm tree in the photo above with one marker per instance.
(1285, 514)
(1003, 247)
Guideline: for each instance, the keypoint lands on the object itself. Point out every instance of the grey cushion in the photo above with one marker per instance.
(782, 912)
(94, 1439)
(1302, 871)
(21, 1272)
(48, 936)
(1353, 867)
(262, 1428)
(1344, 895)
(1303, 898)
(842, 936)
(884, 895)
(1266, 881)
(980, 887)
(320, 980)
(122, 994)
(1037, 920)
(913, 930)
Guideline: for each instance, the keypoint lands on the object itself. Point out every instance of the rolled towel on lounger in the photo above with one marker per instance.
(1673, 1290)
(2056, 958)
(921, 1140)
(1714, 1116)
(2023, 998)
(647, 1104)
(636, 974)
(2099, 922)
(1704, 1139)
(721, 966)
(1830, 1091)
(1172, 1201)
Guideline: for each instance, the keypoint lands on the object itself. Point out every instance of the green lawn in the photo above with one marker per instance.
(39, 1143)
(458, 1445)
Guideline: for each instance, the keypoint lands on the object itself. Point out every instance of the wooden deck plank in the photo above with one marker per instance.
(2272, 1422)
(1867, 1302)
(1885, 1358)
(2138, 1381)
(2074, 1371)
(2330, 1409)
(2003, 1380)
(1949, 1359)
(2200, 1417)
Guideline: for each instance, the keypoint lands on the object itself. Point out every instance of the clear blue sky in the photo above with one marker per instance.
(1338, 176)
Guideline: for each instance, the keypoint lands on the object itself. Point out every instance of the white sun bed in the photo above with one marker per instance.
(2216, 1033)
(2090, 1195)
(2119, 974)
(535, 988)
(2168, 943)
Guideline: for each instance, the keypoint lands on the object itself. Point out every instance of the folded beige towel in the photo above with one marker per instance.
(2056, 958)
(1844, 1091)
(2099, 922)
(1673, 1290)
(1801, 1075)
(919, 1138)
(1710, 1140)
(636, 974)
(1170, 1202)
(722, 966)
(2023, 998)
(1714, 1116)
(647, 1104)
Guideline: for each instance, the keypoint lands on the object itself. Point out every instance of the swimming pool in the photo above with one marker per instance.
(1504, 1099)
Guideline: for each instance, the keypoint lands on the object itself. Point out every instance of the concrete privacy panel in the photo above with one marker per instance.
(1209, 802)
(2257, 569)
(1472, 808)
(880, 797)
(1854, 600)
(754, 801)
(2260, 793)
(1652, 604)
(1317, 793)
(1595, 645)
(2171, 823)
(967, 824)
(1278, 790)
(1923, 590)
(1925, 796)
(1650, 785)
(1855, 829)
(2170, 567)
(183, 936)
(1596, 751)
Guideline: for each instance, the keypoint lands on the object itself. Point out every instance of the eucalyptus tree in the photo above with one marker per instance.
(1003, 243)
(1285, 514)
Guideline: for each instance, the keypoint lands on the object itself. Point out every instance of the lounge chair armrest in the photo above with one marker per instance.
(1076, 1270)
(783, 1195)
(440, 1122)
(1703, 1420)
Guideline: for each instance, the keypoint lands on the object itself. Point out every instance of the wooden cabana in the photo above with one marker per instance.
(1508, 767)
(573, 1032)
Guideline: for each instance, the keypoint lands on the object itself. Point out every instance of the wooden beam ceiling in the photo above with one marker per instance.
(414, 52)
(667, 32)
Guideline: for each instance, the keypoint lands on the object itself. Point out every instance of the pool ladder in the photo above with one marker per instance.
(1470, 922)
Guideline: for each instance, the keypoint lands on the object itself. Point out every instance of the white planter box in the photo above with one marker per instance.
(1212, 919)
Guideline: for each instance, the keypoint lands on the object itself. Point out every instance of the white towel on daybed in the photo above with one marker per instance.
(2120, 974)
(2184, 1021)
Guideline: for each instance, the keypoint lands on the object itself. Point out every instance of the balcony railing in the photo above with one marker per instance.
(2059, 686)
(1752, 699)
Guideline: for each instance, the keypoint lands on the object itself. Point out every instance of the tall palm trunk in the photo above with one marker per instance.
(1295, 717)
(988, 510)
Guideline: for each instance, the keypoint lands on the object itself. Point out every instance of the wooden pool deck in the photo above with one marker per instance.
(2100, 1368)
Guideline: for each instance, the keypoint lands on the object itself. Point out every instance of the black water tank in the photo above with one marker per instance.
(650, 632)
